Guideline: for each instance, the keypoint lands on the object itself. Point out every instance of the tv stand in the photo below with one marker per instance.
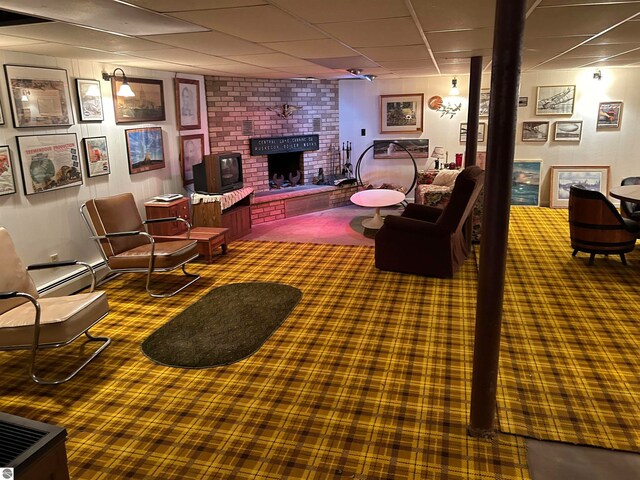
(225, 211)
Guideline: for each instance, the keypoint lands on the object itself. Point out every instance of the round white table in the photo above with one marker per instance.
(376, 198)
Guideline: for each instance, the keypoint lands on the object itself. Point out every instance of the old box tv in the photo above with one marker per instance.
(218, 173)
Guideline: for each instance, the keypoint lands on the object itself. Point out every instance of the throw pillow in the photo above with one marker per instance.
(446, 178)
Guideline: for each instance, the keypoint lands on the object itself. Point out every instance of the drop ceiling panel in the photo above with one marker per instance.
(212, 43)
(628, 32)
(187, 5)
(485, 53)
(454, 69)
(530, 59)
(242, 69)
(406, 64)
(407, 52)
(180, 55)
(461, 40)
(271, 60)
(7, 41)
(455, 14)
(553, 45)
(547, 3)
(322, 48)
(329, 11)
(256, 24)
(342, 63)
(68, 51)
(310, 70)
(416, 72)
(376, 33)
(566, 62)
(601, 51)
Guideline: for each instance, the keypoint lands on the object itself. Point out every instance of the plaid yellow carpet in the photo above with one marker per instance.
(368, 378)
(570, 360)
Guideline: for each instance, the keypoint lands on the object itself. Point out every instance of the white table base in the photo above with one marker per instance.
(374, 223)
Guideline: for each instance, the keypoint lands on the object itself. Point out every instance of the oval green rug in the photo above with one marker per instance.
(228, 324)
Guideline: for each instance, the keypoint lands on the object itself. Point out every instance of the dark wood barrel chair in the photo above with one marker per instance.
(629, 209)
(596, 226)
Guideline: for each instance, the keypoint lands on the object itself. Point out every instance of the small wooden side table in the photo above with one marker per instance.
(208, 238)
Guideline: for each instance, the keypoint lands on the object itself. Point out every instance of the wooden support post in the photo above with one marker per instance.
(505, 79)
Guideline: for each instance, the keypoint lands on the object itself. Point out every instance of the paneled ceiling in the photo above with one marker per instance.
(321, 38)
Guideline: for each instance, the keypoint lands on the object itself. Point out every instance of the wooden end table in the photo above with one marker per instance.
(208, 238)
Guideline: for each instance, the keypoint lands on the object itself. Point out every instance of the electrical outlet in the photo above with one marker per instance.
(54, 257)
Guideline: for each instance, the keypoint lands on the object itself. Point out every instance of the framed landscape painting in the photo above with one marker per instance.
(609, 114)
(146, 106)
(97, 156)
(563, 177)
(525, 185)
(145, 149)
(49, 162)
(419, 148)
(481, 132)
(188, 103)
(39, 96)
(555, 100)
(401, 113)
(568, 131)
(89, 100)
(7, 177)
(535, 131)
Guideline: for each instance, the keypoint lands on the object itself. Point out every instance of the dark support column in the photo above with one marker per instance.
(505, 79)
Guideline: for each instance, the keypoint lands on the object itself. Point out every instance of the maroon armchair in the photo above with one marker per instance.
(428, 240)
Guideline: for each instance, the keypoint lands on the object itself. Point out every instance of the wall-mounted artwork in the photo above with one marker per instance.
(535, 131)
(481, 131)
(97, 156)
(555, 100)
(1, 115)
(485, 99)
(7, 177)
(481, 160)
(191, 152)
(49, 162)
(145, 149)
(146, 106)
(89, 100)
(563, 177)
(525, 186)
(609, 114)
(188, 103)
(39, 96)
(523, 101)
(401, 113)
(568, 131)
(419, 148)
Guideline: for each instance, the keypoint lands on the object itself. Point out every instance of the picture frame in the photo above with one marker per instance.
(481, 159)
(568, 131)
(89, 105)
(523, 101)
(1, 115)
(7, 175)
(187, 103)
(146, 106)
(525, 185)
(96, 155)
(49, 162)
(418, 147)
(481, 132)
(563, 176)
(402, 113)
(145, 149)
(191, 152)
(535, 131)
(555, 99)
(485, 100)
(39, 96)
(609, 115)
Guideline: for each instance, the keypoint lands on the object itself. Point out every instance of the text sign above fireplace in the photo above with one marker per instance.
(271, 145)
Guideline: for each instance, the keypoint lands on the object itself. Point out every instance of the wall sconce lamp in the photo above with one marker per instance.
(454, 92)
(125, 89)
(597, 75)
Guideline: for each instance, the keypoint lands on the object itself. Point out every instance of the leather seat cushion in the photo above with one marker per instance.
(167, 255)
(61, 319)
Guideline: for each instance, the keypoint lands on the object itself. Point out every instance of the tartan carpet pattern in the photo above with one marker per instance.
(368, 378)
(570, 359)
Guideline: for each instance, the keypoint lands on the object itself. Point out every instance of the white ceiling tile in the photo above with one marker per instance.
(309, 70)
(566, 62)
(342, 63)
(461, 40)
(406, 52)
(628, 32)
(187, 5)
(241, 69)
(553, 44)
(343, 11)
(212, 43)
(601, 50)
(180, 55)
(68, 51)
(321, 48)
(455, 14)
(407, 64)
(376, 33)
(454, 69)
(271, 60)
(7, 41)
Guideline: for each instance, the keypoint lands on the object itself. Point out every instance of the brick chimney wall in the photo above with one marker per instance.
(231, 100)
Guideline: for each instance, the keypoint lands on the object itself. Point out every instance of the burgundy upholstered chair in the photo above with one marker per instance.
(427, 240)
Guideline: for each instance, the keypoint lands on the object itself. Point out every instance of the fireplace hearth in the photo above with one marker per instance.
(285, 169)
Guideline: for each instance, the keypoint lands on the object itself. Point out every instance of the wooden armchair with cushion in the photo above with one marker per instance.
(31, 323)
(428, 240)
(119, 231)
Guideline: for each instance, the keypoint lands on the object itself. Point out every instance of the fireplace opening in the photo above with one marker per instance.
(285, 169)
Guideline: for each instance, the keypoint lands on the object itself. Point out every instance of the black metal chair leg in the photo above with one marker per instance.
(575, 252)
(591, 258)
(622, 259)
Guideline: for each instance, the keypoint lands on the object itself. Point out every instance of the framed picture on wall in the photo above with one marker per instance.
(49, 162)
(7, 177)
(97, 156)
(401, 113)
(145, 149)
(89, 100)
(568, 131)
(609, 114)
(191, 152)
(39, 96)
(419, 148)
(146, 106)
(525, 185)
(481, 132)
(485, 99)
(188, 103)
(1, 115)
(555, 100)
(535, 131)
(563, 177)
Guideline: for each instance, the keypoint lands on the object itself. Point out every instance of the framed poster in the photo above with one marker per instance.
(1, 115)
(188, 103)
(145, 149)
(535, 131)
(525, 185)
(401, 113)
(568, 131)
(609, 114)
(39, 96)
(191, 152)
(419, 148)
(555, 100)
(485, 99)
(523, 101)
(49, 162)
(563, 177)
(481, 131)
(97, 156)
(89, 100)
(481, 160)
(7, 177)
(146, 106)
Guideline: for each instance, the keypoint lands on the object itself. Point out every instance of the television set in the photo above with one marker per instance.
(218, 173)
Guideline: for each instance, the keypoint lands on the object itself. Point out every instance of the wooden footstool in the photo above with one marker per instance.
(208, 238)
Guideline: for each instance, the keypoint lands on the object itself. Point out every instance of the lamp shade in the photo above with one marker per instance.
(125, 90)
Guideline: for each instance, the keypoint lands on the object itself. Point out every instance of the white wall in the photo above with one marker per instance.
(50, 222)
(360, 108)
